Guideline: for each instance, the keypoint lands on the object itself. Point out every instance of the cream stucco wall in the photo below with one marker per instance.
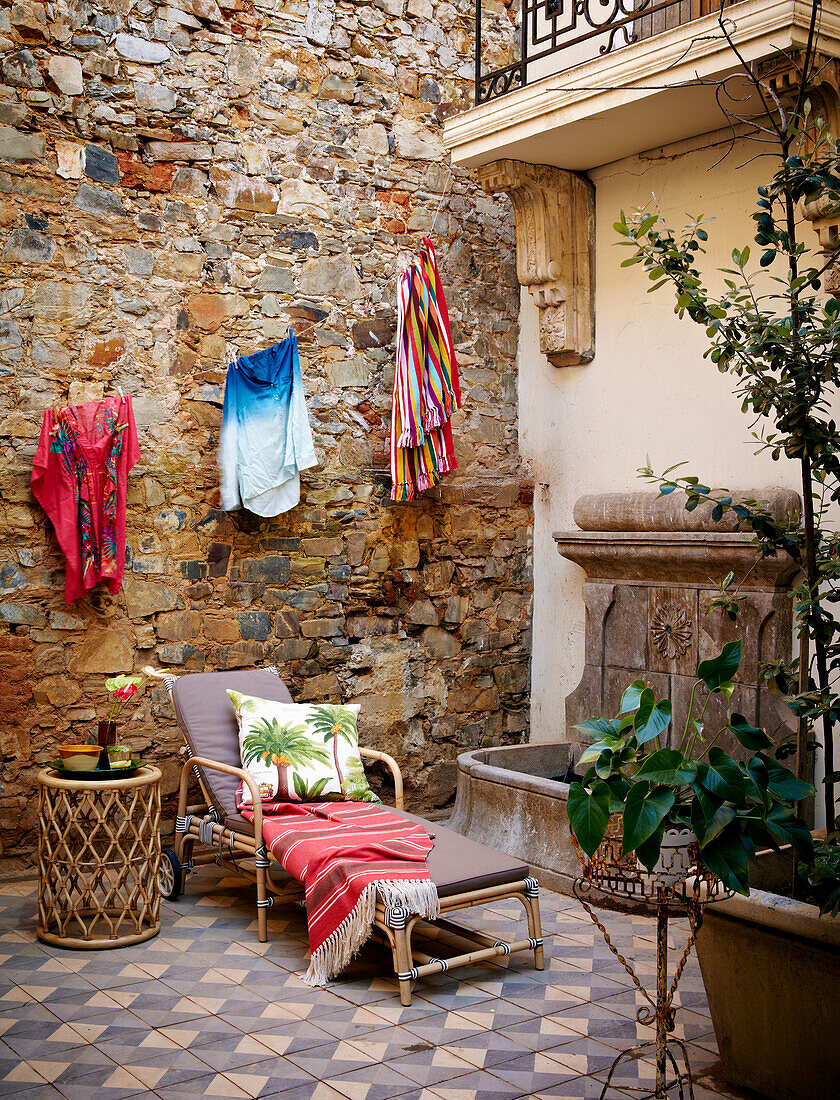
(648, 391)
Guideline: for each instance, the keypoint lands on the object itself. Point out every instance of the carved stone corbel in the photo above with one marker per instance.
(555, 228)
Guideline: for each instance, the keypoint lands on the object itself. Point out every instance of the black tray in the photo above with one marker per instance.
(98, 773)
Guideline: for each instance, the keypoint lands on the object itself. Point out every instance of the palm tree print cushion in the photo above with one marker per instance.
(300, 751)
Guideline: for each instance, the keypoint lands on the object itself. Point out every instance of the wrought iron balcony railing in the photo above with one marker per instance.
(569, 32)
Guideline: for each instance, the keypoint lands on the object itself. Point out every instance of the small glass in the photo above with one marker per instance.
(119, 756)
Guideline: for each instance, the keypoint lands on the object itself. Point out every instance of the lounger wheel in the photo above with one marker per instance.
(170, 875)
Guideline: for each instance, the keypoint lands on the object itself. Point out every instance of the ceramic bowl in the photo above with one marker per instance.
(79, 758)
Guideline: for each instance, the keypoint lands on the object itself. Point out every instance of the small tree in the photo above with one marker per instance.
(778, 335)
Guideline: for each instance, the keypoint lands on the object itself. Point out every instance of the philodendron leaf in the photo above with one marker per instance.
(632, 696)
(667, 766)
(591, 754)
(718, 671)
(604, 764)
(728, 857)
(618, 793)
(650, 850)
(644, 810)
(589, 812)
(755, 781)
(749, 736)
(598, 727)
(707, 828)
(652, 718)
(783, 823)
(783, 783)
(721, 776)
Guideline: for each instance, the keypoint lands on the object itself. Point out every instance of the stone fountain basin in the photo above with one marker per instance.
(508, 798)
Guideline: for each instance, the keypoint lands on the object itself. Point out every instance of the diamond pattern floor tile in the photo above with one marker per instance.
(206, 1010)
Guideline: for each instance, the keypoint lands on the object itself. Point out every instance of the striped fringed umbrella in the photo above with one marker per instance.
(426, 387)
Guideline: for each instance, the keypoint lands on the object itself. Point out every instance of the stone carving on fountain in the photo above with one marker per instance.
(651, 571)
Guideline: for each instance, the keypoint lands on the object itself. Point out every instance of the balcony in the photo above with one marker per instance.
(592, 81)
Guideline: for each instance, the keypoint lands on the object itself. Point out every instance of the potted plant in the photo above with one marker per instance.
(665, 796)
(771, 961)
(120, 689)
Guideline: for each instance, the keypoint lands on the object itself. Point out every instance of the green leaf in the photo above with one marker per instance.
(618, 793)
(644, 810)
(652, 718)
(783, 783)
(722, 777)
(719, 670)
(591, 754)
(596, 727)
(783, 823)
(604, 764)
(589, 813)
(728, 857)
(299, 785)
(706, 828)
(632, 696)
(318, 787)
(755, 781)
(669, 767)
(649, 851)
(749, 736)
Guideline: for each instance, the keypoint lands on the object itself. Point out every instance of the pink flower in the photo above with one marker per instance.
(125, 693)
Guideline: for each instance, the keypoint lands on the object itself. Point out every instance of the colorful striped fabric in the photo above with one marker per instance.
(426, 386)
(347, 854)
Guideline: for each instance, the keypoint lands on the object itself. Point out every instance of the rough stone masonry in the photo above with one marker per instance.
(179, 181)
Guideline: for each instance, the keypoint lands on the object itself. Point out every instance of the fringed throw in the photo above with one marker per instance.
(345, 854)
(426, 386)
(354, 931)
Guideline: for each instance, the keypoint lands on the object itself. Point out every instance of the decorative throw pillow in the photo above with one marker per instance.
(300, 751)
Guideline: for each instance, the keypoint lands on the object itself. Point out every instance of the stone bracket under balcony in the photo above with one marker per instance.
(555, 241)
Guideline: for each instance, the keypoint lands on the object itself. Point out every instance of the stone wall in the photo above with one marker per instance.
(181, 180)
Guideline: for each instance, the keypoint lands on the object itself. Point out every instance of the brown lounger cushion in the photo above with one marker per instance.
(206, 716)
(456, 863)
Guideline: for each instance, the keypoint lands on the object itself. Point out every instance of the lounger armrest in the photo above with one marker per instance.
(228, 769)
(393, 766)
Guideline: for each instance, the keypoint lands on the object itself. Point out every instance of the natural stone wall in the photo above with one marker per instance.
(181, 180)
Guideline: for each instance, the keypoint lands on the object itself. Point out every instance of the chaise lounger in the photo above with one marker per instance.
(466, 874)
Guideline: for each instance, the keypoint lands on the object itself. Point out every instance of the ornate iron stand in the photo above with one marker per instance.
(681, 887)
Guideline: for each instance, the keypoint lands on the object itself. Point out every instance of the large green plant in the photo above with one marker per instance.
(732, 807)
(778, 334)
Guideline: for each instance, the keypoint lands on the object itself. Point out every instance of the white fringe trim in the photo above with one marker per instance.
(418, 897)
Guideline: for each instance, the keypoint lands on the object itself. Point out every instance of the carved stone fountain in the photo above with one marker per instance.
(651, 571)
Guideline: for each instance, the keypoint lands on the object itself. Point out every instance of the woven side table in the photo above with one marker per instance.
(98, 859)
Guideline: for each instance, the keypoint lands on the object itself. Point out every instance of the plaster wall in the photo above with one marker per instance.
(648, 391)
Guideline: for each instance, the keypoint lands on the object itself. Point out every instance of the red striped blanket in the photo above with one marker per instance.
(345, 853)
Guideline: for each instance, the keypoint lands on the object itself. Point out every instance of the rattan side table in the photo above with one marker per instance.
(98, 859)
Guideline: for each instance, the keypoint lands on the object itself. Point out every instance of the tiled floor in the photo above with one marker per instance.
(205, 1010)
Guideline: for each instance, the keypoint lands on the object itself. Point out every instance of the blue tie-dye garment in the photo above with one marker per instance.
(265, 440)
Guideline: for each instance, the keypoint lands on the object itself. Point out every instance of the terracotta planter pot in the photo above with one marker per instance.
(771, 967)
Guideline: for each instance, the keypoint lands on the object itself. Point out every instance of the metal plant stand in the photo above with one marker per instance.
(683, 888)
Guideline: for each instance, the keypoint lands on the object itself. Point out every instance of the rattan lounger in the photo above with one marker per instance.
(465, 873)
